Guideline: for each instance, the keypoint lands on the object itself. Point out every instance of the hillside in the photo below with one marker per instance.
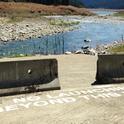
(113, 4)
(20, 21)
(29, 9)
(77, 3)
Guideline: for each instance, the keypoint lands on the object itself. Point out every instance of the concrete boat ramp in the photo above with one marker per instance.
(78, 102)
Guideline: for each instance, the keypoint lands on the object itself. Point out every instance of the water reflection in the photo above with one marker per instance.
(45, 45)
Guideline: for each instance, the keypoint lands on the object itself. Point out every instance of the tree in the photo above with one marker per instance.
(65, 2)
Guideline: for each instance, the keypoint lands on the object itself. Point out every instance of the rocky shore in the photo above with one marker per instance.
(27, 29)
(34, 28)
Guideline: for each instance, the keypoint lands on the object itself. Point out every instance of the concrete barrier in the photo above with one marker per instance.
(110, 69)
(28, 76)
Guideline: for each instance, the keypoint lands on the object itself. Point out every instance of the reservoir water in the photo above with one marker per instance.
(98, 30)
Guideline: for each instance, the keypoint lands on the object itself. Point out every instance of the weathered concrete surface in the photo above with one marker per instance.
(28, 76)
(110, 69)
(76, 73)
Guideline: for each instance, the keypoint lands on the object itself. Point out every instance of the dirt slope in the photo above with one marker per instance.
(8, 7)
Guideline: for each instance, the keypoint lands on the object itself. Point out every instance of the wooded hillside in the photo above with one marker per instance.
(50, 2)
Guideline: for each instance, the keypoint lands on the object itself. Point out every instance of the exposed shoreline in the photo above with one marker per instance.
(34, 28)
(30, 28)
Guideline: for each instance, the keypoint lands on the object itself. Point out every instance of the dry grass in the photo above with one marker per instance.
(119, 14)
(117, 49)
(23, 9)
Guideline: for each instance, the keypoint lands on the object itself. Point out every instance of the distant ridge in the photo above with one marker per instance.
(110, 4)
